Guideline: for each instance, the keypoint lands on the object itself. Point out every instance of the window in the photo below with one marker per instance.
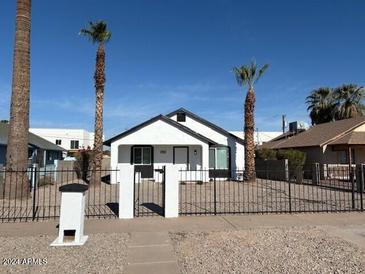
(181, 117)
(58, 142)
(74, 144)
(142, 155)
(219, 158)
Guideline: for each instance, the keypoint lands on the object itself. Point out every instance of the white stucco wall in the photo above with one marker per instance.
(162, 136)
(84, 137)
(360, 128)
(203, 130)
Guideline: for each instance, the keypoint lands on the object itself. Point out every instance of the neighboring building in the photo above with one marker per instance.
(70, 139)
(339, 142)
(179, 138)
(260, 137)
(40, 150)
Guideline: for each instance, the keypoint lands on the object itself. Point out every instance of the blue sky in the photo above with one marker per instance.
(169, 54)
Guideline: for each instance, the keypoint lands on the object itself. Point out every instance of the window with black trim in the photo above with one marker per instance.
(181, 117)
(58, 142)
(219, 157)
(142, 155)
(74, 144)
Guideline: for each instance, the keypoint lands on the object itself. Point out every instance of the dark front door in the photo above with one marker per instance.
(142, 159)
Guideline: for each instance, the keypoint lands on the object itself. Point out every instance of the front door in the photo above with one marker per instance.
(181, 157)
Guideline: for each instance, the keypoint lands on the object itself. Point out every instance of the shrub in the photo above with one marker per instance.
(295, 158)
(84, 158)
(266, 154)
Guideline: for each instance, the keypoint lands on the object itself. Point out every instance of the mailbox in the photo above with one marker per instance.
(71, 226)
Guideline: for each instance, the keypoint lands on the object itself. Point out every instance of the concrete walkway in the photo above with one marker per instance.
(151, 252)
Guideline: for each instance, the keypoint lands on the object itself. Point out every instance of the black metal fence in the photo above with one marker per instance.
(202, 194)
(34, 195)
(149, 194)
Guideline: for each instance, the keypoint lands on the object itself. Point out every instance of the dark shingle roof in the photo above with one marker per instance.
(322, 134)
(352, 138)
(34, 140)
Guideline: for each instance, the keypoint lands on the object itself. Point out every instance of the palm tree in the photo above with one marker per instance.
(249, 75)
(349, 101)
(98, 33)
(321, 105)
(16, 183)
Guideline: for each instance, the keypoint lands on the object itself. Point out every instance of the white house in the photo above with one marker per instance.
(69, 139)
(178, 138)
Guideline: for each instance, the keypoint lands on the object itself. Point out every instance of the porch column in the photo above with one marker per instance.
(205, 157)
(171, 191)
(126, 191)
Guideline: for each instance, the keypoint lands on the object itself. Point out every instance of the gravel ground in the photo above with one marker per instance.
(274, 250)
(102, 253)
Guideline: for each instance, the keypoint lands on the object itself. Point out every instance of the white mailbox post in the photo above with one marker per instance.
(71, 226)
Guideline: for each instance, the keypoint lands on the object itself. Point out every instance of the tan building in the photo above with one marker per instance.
(339, 142)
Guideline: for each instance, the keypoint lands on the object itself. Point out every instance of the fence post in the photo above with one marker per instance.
(126, 191)
(360, 183)
(215, 192)
(34, 184)
(290, 209)
(164, 186)
(316, 176)
(171, 196)
(352, 178)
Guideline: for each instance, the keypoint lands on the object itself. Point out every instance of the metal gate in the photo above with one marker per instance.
(149, 193)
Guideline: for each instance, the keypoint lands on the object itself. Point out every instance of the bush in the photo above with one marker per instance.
(266, 154)
(83, 164)
(295, 158)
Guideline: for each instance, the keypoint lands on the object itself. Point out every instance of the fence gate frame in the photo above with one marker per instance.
(149, 194)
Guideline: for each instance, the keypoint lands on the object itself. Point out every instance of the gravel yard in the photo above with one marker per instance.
(102, 253)
(274, 250)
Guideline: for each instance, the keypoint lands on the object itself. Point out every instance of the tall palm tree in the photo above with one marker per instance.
(248, 75)
(349, 101)
(321, 105)
(16, 184)
(98, 33)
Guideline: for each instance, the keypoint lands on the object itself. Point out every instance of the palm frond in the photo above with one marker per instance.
(97, 32)
(248, 74)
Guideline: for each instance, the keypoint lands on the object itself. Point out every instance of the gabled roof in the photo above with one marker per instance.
(165, 119)
(352, 138)
(34, 140)
(322, 134)
(206, 123)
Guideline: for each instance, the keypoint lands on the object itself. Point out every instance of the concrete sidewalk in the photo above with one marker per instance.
(189, 223)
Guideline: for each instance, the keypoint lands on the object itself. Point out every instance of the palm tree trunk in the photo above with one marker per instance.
(99, 78)
(16, 183)
(249, 135)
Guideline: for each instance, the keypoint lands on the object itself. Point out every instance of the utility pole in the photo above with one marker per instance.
(283, 122)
